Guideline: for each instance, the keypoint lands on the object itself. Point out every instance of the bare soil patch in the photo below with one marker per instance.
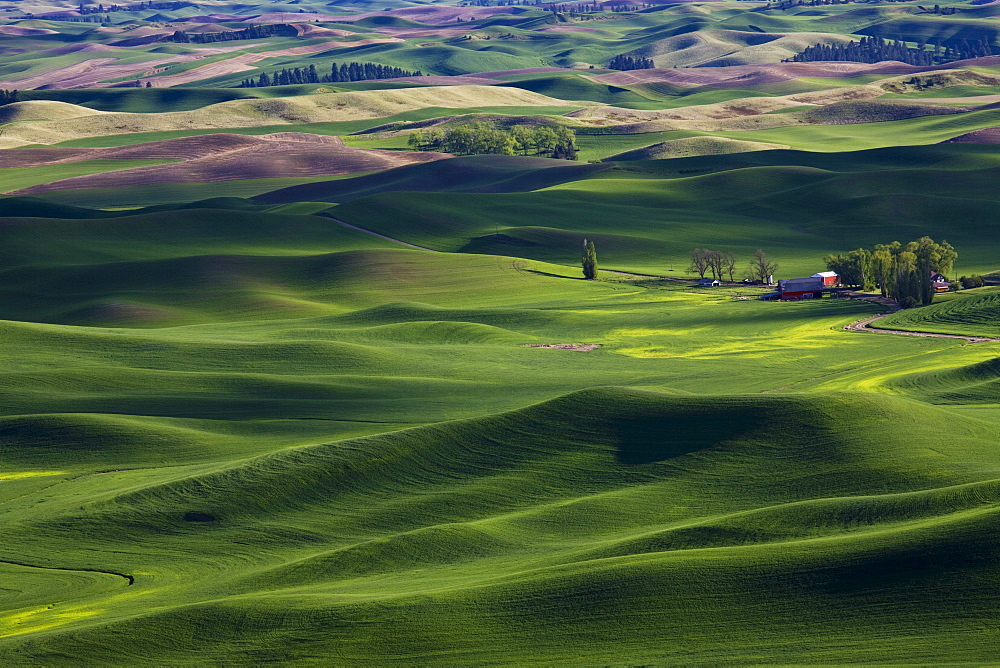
(566, 29)
(308, 31)
(433, 15)
(294, 17)
(213, 158)
(744, 76)
(983, 136)
(91, 73)
(18, 31)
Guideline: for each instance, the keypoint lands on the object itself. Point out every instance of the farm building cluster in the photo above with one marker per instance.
(804, 288)
(791, 289)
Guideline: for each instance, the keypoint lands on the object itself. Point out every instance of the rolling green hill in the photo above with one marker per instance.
(974, 312)
(794, 204)
(438, 572)
(268, 417)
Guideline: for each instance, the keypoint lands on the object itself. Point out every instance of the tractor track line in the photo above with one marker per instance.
(128, 578)
(376, 234)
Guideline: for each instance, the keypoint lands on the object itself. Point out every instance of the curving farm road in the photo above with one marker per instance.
(864, 325)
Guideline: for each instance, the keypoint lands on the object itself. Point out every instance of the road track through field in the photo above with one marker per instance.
(376, 234)
(864, 325)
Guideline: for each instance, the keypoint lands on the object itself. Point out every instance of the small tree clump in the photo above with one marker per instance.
(488, 139)
(974, 281)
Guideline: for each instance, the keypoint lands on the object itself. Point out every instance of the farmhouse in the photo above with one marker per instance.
(939, 282)
(830, 278)
(709, 283)
(801, 288)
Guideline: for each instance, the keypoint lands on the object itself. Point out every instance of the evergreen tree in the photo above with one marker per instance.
(876, 49)
(623, 62)
(589, 261)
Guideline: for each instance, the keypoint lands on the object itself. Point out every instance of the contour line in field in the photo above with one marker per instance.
(376, 234)
(130, 580)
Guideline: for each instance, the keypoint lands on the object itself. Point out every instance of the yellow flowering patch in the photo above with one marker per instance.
(29, 474)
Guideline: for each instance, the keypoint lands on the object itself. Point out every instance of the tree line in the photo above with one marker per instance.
(876, 49)
(253, 32)
(83, 19)
(9, 96)
(488, 139)
(345, 72)
(969, 282)
(901, 272)
(596, 6)
(721, 264)
(788, 4)
(623, 62)
(101, 9)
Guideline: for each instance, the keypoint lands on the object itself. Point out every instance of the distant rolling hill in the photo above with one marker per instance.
(211, 158)
(473, 174)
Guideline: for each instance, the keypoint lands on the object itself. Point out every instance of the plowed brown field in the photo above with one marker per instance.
(220, 157)
(90, 73)
(743, 76)
(984, 136)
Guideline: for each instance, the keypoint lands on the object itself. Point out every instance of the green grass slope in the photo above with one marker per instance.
(976, 312)
(472, 174)
(579, 522)
(235, 431)
(643, 216)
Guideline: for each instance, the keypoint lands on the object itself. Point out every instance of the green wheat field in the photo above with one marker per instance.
(276, 387)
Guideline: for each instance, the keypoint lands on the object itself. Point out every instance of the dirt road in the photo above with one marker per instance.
(865, 326)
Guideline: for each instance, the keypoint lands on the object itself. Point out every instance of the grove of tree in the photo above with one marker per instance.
(876, 49)
(900, 272)
(719, 263)
(623, 62)
(485, 138)
(345, 72)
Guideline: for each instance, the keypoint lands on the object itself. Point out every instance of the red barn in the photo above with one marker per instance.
(830, 278)
(801, 288)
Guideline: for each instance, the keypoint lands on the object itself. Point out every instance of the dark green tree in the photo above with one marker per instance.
(589, 261)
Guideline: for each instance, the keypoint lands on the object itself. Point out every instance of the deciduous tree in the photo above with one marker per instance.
(699, 261)
(761, 268)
